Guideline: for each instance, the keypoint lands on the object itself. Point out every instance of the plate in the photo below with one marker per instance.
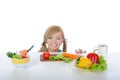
(21, 65)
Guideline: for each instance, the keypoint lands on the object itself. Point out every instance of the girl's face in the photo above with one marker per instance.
(54, 42)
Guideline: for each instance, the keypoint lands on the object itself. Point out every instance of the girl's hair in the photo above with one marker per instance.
(49, 32)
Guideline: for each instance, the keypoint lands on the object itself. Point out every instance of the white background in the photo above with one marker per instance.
(86, 23)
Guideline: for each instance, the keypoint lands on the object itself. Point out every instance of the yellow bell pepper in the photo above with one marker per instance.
(84, 63)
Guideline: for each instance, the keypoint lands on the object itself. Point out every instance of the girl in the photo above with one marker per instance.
(53, 38)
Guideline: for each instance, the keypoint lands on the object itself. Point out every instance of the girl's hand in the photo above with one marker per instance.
(80, 51)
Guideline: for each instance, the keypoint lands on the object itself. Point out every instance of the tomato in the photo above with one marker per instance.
(46, 55)
(25, 56)
(93, 57)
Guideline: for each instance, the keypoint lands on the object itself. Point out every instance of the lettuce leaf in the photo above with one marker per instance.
(101, 66)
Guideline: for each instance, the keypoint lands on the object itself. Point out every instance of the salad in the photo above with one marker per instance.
(92, 62)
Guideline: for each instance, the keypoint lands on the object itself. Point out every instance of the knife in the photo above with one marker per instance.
(30, 48)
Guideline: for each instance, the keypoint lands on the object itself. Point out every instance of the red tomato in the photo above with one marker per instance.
(93, 57)
(24, 56)
(46, 55)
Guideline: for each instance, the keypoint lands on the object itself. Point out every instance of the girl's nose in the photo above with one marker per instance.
(54, 40)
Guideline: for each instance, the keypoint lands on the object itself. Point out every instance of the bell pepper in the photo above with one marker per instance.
(83, 62)
(93, 57)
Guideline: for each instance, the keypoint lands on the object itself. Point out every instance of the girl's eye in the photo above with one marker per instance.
(58, 38)
(49, 37)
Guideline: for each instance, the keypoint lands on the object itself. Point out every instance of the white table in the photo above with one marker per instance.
(56, 70)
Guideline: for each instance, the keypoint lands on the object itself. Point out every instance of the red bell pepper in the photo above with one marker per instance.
(93, 57)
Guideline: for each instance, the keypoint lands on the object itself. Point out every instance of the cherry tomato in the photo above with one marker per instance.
(46, 55)
(25, 56)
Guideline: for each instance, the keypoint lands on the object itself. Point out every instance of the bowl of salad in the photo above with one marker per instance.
(92, 62)
(19, 59)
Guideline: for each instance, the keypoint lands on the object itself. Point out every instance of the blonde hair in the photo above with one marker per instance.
(49, 32)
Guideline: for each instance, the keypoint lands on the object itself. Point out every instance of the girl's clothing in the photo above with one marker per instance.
(59, 50)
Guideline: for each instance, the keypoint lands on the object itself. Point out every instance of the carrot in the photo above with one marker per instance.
(24, 52)
(69, 55)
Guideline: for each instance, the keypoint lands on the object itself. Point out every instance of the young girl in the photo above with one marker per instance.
(53, 38)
